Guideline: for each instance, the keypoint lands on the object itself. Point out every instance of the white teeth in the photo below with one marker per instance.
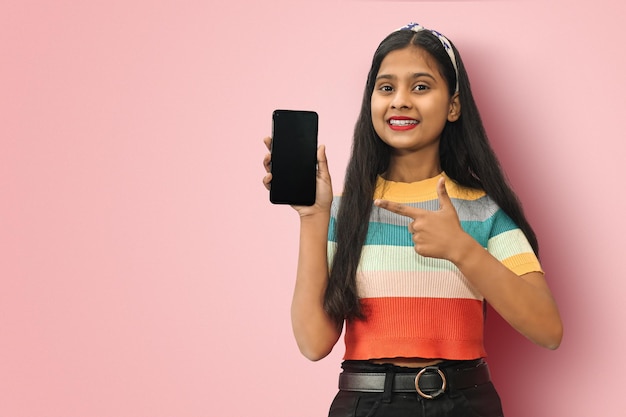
(396, 122)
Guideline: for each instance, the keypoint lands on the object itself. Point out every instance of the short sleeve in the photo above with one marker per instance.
(509, 245)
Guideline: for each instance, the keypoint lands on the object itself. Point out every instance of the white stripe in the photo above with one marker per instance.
(509, 244)
(451, 284)
(395, 271)
(399, 258)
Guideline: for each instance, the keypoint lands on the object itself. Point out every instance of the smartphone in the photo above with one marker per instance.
(294, 157)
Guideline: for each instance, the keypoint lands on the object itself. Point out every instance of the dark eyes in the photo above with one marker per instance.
(385, 88)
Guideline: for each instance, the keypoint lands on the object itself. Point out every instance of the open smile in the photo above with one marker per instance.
(402, 123)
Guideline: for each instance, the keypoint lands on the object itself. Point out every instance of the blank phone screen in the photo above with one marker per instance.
(294, 157)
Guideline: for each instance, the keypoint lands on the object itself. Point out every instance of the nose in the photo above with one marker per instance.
(401, 100)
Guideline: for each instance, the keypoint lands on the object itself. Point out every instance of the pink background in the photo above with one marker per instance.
(143, 271)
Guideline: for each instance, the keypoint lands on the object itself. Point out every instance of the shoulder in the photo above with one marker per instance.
(472, 204)
(334, 207)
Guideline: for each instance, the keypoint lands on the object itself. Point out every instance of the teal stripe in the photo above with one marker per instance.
(388, 235)
(502, 223)
(398, 235)
(331, 230)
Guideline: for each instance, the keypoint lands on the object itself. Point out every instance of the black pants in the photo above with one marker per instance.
(476, 401)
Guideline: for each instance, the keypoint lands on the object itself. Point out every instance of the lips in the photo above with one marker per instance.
(402, 123)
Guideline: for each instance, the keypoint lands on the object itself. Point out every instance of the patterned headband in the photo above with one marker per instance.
(416, 27)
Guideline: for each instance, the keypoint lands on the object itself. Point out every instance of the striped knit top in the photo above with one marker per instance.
(424, 307)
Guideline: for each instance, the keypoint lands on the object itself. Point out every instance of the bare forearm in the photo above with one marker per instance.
(315, 332)
(525, 302)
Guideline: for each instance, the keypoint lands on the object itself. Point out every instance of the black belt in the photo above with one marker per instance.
(429, 382)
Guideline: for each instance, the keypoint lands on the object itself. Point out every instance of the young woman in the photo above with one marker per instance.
(426, 232)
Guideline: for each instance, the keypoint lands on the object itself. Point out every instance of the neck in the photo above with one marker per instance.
(409, 168)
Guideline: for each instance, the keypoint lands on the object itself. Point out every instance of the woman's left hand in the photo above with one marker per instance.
(436, 234)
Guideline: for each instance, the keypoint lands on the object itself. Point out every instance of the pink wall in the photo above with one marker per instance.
(144, 273)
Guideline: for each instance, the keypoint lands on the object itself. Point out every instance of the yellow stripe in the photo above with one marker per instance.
(425, 190)
(523, 263)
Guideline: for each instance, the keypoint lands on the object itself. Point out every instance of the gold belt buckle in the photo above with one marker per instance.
(436, 394)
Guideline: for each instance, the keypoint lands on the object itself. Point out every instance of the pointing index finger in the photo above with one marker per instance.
(401, 209)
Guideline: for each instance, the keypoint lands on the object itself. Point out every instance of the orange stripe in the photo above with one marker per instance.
(417, 327)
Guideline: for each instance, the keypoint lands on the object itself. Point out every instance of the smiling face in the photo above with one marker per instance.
(411, 103)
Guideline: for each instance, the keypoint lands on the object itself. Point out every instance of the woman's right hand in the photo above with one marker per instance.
(323, 191)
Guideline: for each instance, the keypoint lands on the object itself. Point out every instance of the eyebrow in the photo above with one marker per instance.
(393, 77)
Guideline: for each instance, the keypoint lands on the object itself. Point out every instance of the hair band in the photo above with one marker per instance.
(416, 27)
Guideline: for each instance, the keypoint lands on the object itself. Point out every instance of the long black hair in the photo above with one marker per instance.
(465, 156)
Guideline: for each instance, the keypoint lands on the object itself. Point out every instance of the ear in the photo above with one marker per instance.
(455, 108)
